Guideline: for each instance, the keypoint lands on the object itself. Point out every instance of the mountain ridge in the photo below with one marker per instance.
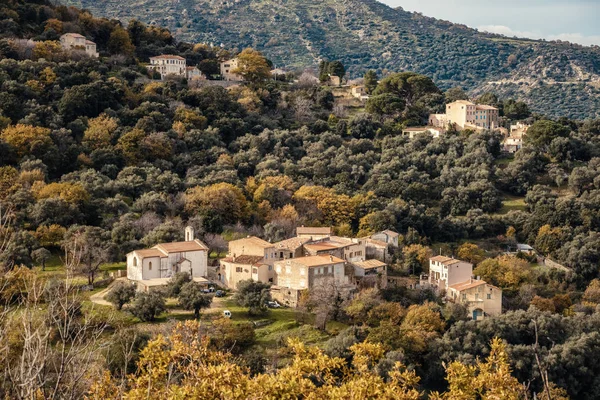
(555, 78)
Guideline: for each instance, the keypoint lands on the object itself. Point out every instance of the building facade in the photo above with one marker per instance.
(168, 65)
(446, 271)
(313, 233)
(248, 258)
(75, 41)
(463, 114)
(304, 272)
(155, 266)
(227, 67)
(480, 298)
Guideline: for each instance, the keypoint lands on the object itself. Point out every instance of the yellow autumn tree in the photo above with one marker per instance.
(72, 193)
(506, 271)
(27, 139)
(334, 209)
(8, 181)
(99, 132)
(203, 373)
(252, 66)
(50, 50)
(471, 252)
(222, 201)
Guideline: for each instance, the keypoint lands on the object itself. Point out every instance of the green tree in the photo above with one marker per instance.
(371, 81)
(542, 132)
(177, 282)
(336, 68)
(119, 42)
(121, 294)
(148, 305)
(254, 296)
(191, 297)
(40, 256)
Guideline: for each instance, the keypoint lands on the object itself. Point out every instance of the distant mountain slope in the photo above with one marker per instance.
(558, 79)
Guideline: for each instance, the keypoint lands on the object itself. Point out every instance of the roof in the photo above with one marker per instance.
(391, 233)
(485, 107)
(370, 264)
(191, 68)
(167, 56)
(255, 241)
(445, 260)
(89, 42)
(147, 253)
(459, 287)
(178, 247)
(244, 260)
(524, 247)
(317, 261)
(420, 129)
(292, 243)
(73, 34)
(470, 103)
(313, 230)
(376, 243)
(321, 246)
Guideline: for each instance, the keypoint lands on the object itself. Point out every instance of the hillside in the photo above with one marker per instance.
(366, 34)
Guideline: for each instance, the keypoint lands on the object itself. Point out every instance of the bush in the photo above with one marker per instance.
(147, 306)
(253, 295)
(121, 294)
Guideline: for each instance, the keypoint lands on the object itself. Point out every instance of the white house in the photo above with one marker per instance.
(154, 267)
(168, 65)
(387, 236)
(75, 41)
(227, 67)
(445, 272)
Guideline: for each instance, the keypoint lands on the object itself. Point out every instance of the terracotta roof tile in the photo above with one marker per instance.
(317, 261)
(244, 260)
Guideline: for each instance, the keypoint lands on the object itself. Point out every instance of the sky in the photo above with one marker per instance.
(572, 20)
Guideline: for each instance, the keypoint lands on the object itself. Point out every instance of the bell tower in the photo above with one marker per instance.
(189, 234)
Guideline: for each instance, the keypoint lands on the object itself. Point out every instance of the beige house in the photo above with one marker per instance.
(75, 41)
(446, 271)
(168, 65)
(347, 249)
(154, 267)
(519, 129)
(480, 298)
(433, 131)
(387, 236)
(370, 273)
(304, 272)
(464, 114)
(194, 74)
(359, 92)
(227, 67)
(248, 258)
(313, 233)
(291, 248)
(512, 144)
(377, 250)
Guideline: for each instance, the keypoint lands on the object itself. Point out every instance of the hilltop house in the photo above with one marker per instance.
(514, 142)
(370, 273)
(454, 279)
(480, 298)
(412, 132)
(313, 233)
(227, 67)
(359, 92)
(168, 65)
(464, 114)
(154, 267)
(75, 41)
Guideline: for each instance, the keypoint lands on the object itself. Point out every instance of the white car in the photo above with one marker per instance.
(227, 314)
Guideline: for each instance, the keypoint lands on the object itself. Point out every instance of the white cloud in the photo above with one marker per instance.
(570, 37)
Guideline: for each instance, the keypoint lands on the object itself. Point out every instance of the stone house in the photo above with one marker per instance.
(347, 249)
(370, 273)
(464, 114)
(480, 298)
(75, 41)
(227, 67)
(248, 258)
(387, 236)
(412, 132)
(446, 271)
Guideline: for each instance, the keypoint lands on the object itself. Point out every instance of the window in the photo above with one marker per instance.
(150, 265)
(270, 268)
(238, 269)
(464, 297)
(489, 296)
(281, 254)
(135, 261)
(255, 270)
(302, 283)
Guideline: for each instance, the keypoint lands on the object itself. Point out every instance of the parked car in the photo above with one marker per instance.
(220, 293)
(227, 314)
(273, 304)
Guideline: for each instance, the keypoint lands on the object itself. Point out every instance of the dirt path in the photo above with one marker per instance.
(98, 298)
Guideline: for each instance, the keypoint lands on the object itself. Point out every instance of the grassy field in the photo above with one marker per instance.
(512, 203)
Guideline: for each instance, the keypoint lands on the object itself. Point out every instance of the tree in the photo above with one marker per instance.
(254, 296)
(28, 140)
(89, 247)
(121, 294)
(222, 203)
(371, 81)
(148, 305)
(336, 68)
(119, 42)
(99, 132)
(177, 282)
(471, 252)
(592, 292)
(40, 256)
(507, 272)
(416, 258)
(455, 94)
(191, 297)
(542, 132)
(252, 66)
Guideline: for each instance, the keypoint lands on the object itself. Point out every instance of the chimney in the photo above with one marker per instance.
(190, 235)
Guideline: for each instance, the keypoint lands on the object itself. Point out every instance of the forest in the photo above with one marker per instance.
(97, 159)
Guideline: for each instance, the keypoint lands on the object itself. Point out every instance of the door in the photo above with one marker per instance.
(477, 314)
